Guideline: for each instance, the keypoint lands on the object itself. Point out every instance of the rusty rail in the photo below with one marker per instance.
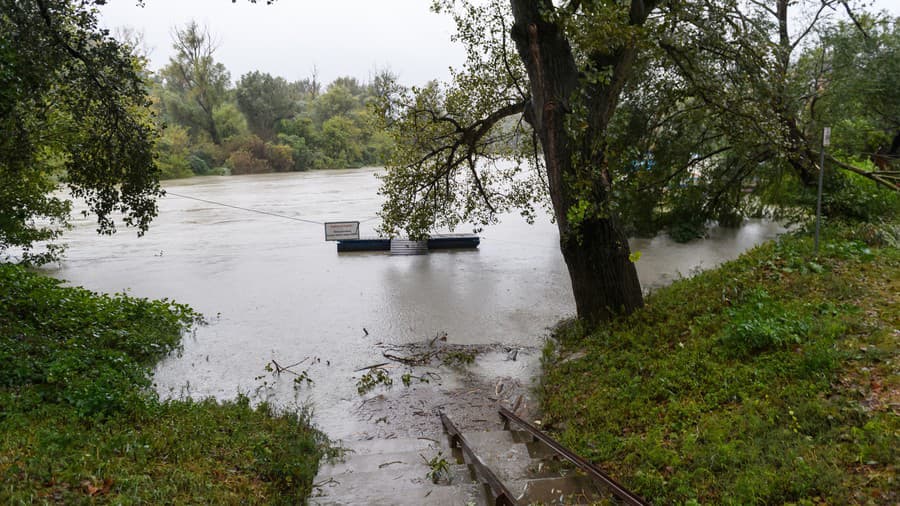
(617, 489)
(502, 496)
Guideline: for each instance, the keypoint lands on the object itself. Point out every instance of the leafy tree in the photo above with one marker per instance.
(173, 155)
(338, 100)
(351, 84)
(643, 121)
(265, 100)
(309, 86)
(73, 107)
(574, 60)
(728, 51)
(229, 120)
(301, 135)
(341, 144)
(195, 83)
(861, 95)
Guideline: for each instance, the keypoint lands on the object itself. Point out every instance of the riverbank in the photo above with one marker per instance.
(772, 379)
(79, 421)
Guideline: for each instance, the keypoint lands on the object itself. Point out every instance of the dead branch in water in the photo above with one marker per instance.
(419, 359)
(371, 366)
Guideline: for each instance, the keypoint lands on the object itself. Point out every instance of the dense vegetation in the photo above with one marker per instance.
(73, 106)
(80, 423)
(772, 379)
(80, 110)
(638, 116)
(261, 123)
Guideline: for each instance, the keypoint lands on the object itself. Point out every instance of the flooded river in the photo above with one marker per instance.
(273, 289)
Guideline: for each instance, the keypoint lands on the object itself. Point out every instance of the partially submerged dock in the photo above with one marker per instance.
(346, 234)
(406, 246)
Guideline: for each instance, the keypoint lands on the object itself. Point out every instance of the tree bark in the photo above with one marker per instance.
(596, 251)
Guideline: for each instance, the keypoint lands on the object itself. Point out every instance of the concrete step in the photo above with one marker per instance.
(508, 459)
(398, 487)
(471, 495)
(531, 470)
(501, 436)
(413, 444)
(364, 463)
(569, 490)
(536, 449)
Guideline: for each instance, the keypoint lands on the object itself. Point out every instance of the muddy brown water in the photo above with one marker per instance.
(273, 289)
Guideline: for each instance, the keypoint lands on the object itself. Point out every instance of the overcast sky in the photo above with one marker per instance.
(291, 37)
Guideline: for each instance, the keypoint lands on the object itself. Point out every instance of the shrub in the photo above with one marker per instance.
(243, 162)
(252, 155)
(96, 351)
(760, 323)
(172, 153)
(199, 165)
(854, 197)
(80, 423)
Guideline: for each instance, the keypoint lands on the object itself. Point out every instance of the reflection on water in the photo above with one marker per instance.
(272, 288)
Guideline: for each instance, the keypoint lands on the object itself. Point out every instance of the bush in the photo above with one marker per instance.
(172, 153)
(304, 155)
(243, 162)
(199, 165)
(252, 155)
(760, 323)
(854, 197)
(95, 353)
(80, 423)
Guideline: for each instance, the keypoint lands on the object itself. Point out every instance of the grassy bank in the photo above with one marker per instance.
(773, 379)
(80, 423)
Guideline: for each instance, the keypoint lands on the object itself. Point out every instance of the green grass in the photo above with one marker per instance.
(80, 424)
(773, 379)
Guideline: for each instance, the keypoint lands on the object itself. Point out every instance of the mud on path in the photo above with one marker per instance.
(467, 382)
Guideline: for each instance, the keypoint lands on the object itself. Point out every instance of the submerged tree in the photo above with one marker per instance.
(73, 107)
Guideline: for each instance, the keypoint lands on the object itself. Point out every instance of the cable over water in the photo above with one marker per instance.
(258, 211)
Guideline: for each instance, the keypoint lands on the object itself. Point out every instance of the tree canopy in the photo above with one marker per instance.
(195, 83)
(73, 108)
(627, 118)
(261, 123)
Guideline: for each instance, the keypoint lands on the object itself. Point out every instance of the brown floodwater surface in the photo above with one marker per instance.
(273, 289)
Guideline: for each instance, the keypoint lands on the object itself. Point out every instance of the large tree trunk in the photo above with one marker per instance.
(604, 279)
(595, 248)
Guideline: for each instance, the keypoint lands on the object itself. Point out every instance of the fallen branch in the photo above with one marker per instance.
(295, 364)
(372, 366)
(420, 359)
(280, 369)
(888, 179)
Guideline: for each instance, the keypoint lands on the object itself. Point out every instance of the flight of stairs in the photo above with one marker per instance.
(531, 471)
(394, 472)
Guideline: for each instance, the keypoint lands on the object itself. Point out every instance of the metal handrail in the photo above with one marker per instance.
(617, 489)
(502, 496)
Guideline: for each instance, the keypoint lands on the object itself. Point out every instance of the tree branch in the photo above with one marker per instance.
(886, 179)
(854, 18)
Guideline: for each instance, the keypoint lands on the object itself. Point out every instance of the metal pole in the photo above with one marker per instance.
(826, 140)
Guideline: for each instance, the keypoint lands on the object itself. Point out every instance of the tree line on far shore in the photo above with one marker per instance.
(260, 123)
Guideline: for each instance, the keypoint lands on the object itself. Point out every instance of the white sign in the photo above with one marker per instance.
(341, 230)
(826, 137)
